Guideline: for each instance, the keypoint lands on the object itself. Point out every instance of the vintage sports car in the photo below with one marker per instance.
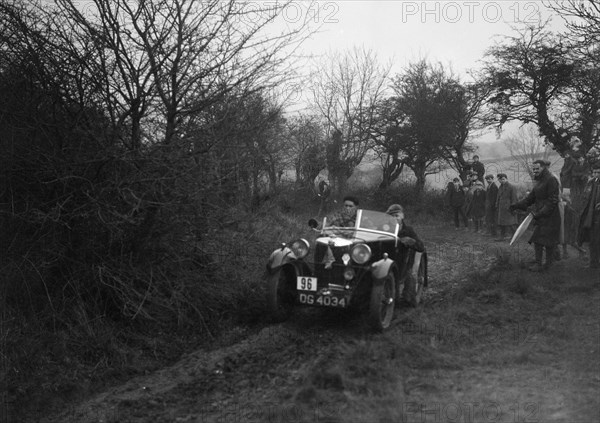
(365, 267)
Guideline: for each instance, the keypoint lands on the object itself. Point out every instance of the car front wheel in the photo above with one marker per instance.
(280, 299)
(381, 307)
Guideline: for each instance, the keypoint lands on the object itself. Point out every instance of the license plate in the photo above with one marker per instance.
(306, 283)
(323, 300)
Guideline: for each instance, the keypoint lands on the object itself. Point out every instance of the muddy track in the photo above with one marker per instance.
(490, 357)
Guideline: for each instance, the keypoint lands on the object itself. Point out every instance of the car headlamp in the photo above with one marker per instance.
(300, 248)
(361, 253)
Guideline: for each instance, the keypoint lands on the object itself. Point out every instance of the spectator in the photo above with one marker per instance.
(466, 191)
(579, 177)
(507, 195)
(546, 216)
(589, 223)
(478, 168)
(324, 192)
(491, 213)
(566, 172)
(475, 178)
(456, 201)
(571, 223)
(476, 207)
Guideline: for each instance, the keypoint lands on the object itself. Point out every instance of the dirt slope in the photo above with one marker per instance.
(487, 346)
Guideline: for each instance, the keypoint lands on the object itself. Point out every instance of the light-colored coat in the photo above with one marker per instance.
(507, 195)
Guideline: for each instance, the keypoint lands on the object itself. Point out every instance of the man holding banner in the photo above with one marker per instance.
(546, 214)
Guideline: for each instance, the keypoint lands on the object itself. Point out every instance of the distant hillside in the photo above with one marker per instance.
(492, 150)
(494, 155)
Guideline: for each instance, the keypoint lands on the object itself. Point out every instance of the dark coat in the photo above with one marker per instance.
(507, 195)
(479, 169)
(571, 224)
(544, 199)
(491, 195)
(476, 208)
(410, 232)
(566, 172)
(456, 196)
(590, 214)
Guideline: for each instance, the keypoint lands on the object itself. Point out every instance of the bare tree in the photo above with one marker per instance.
(346, 90)
(165, 61)
(425, 116)
(117, 116)
(306, 148)
(538, 77)
(526, 146)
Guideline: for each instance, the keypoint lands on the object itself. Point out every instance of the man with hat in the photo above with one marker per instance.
(507, 194)
(491, 194)
(456, 201)
(589, 222)
(546, 215)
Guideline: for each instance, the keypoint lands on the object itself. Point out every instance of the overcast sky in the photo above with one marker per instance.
(455, 33)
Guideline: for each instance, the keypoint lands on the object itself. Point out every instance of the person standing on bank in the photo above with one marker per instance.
(566, 172)
(478, 168)
(476, 207)
(589, 223)
(507, 195)
(456, 200)
(546, 216)
(491, 213)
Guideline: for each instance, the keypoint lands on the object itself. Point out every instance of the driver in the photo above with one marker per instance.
(347, 217)
(408, 236)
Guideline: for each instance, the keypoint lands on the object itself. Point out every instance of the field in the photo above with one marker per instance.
(369, 173)
(491, 343)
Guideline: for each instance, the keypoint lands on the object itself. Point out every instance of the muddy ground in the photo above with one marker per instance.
(492, 342)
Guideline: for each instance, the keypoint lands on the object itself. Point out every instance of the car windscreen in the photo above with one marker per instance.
(374, 220)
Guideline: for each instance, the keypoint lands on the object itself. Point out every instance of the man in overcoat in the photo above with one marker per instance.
(456, 201)
(589, 222)
(476, 206)
(491, 213)
(507, 195)
(546, 215)
(566, 172)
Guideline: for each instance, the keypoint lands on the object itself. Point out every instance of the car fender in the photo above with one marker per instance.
(381, 268)
(284, 256)
(279, 257)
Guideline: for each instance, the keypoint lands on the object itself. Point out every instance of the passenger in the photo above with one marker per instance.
(347, 217)
(408, 236)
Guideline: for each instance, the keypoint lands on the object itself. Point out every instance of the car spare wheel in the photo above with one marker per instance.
(381, 307)
(280, 296)
(415, 285)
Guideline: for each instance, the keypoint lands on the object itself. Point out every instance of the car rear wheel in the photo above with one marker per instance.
(280, 300)
(381, 307)
(415, 284)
